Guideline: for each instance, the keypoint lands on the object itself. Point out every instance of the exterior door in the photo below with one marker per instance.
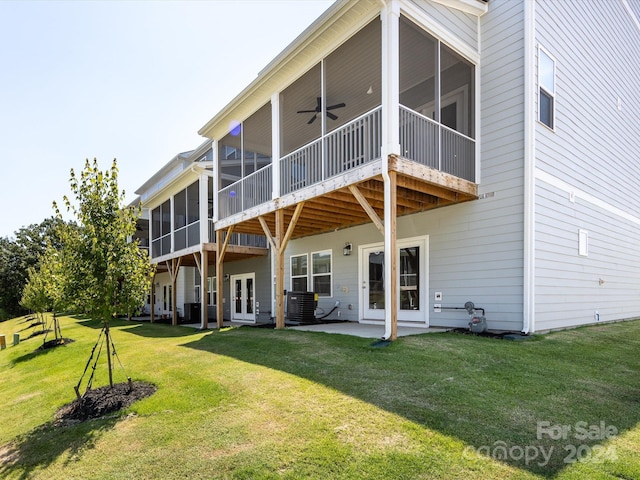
(164, 299)
(243, 307)
(411, 258)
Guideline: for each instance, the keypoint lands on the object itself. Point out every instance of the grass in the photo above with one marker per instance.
(256, 403)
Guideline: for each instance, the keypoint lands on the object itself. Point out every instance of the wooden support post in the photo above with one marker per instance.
(153, 298)
(222, 249)
(174, 268)
(279, 269)
(204, 282)
(391, 214)
(279, 245)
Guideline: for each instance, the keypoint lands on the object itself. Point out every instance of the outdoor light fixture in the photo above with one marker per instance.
(370, 91)
(346, 251)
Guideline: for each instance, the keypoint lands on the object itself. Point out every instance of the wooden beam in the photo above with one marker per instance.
(267, 233)
(175, 268)
(279, 261)
(390, 216)
(204, 282)
(367, 208)
(222, 250)
(196, 258)
(290, 228)
(153, 297)
(219, 274)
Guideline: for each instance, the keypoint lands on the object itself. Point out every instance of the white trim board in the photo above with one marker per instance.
(575, 193)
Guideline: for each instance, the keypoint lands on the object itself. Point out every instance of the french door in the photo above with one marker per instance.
(411, 257)
(242, 291)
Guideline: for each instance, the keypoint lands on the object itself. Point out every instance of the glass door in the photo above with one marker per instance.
(243, 298)
(412, 288)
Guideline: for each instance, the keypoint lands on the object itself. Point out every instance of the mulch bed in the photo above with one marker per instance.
(102, 401)
(54, 343)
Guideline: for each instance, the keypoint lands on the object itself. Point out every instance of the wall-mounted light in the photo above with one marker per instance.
(226, 277)
(370, 91)
(346, 251)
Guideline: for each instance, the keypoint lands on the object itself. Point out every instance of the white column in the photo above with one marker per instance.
(275, 145)
(203, 211)
(390, 17)
(216, 179)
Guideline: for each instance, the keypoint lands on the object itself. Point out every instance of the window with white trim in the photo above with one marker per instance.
(546, 88)
(321, 273)
(212, 295)
(299, 273)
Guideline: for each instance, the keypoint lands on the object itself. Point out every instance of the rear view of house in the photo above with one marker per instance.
(402, 158)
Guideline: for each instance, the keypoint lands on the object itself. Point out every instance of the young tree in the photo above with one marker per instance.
(34, 295)
(106, 274)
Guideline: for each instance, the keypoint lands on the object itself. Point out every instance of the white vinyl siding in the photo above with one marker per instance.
(571, 287)
(589, 168)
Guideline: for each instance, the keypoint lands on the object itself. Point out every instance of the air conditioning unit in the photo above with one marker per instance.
(301, 307)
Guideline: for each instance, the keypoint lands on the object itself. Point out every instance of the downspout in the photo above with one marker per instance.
(528, 304)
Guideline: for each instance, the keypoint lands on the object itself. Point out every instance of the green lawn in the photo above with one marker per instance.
(257, 403)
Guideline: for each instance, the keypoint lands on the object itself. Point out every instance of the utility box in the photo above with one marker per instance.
(16, 339)
(301, 307)
(478, 324)
(192, 312)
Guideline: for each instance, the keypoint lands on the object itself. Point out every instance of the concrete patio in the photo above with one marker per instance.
(343, 328)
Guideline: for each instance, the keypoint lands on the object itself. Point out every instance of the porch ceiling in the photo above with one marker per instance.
(419, 188)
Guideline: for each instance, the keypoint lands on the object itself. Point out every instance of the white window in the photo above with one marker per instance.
(546, 88)
(321, 273)
(212, 296)
(299, 273)
(583, 243)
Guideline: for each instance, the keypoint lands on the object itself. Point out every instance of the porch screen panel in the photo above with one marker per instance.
(193, 214)
(353, 76)
(418, 94)
(180, 219)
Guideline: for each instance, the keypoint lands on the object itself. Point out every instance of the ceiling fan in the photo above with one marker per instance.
(318, 108)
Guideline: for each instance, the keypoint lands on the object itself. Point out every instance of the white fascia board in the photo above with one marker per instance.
(473, 7)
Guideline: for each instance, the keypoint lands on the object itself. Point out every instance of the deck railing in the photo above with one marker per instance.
(436, 146)
(252, 190)
(242, 239)
(354, 144)
(350, 146)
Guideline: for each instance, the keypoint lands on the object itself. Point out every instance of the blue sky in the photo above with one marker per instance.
(131, 80)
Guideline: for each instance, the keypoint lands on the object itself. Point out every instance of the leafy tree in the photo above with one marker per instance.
(18, 255)
(106, 273)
